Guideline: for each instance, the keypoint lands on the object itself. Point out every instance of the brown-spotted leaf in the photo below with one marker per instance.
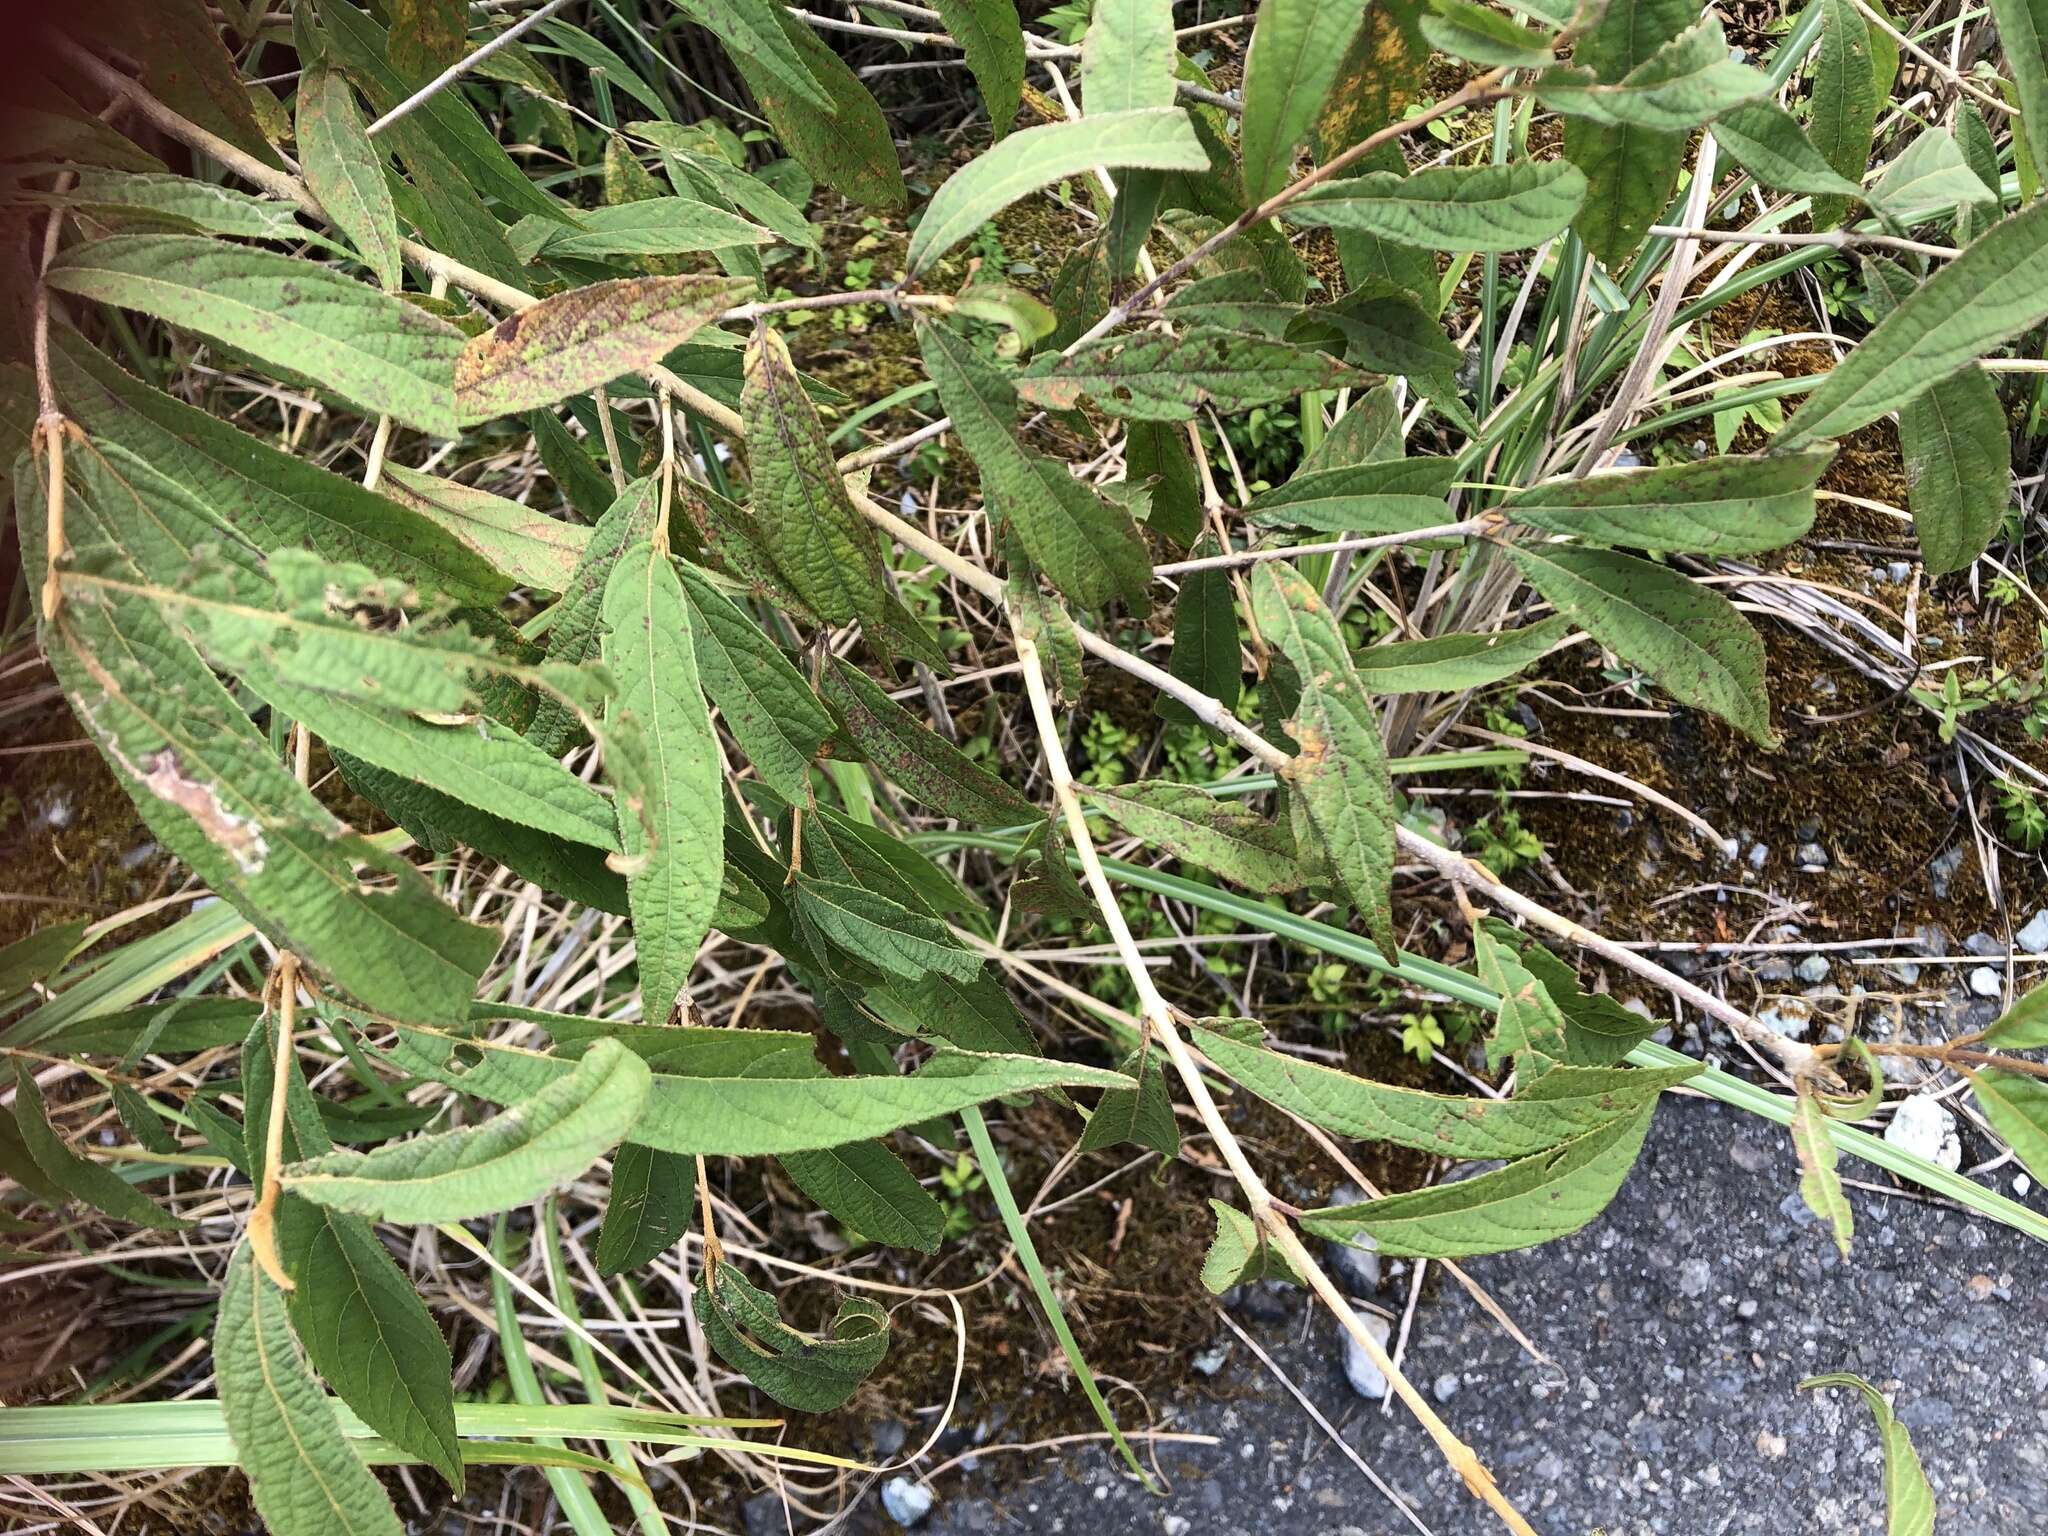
(588, 336)
(426, 35)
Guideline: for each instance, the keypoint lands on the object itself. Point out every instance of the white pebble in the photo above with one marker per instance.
(1921, 1126)
(1365, 1377)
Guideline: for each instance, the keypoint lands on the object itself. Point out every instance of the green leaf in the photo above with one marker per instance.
(1297, 50)
(586, 337)
(1239, 1253)
(819, 542)
(917, 759)
(882, 932)
(1389, 496)
(32, 959)
(79, 1177)
(1956, 446)
(992, 38)
(154, 199)
(866, 1187)
(304, 1477)
(271, 498)
(1992, 292)
(749, 32)
(1474, 33)
(1138, 1117)
(648, 226)
(1846, 98)
(1150, 138)
(1532, 1200)
(845, 144)
(575, 633)
(426, 36)
(1154, 376)
(977, 1015)
(1767, 141)
(1386, 330)
(1452, 663)
(375, 351)
(1221, 837)
(212, 790)
(530, 548)
(648, 1210)
(1206, 653)
(2023, 44)
(1451, 208)
(769, 708)
(1087, 546)
(2023, 1026)
(1128, 56)
(1717, 506)
(346, 173)
(811, 1375)
(1689, 81)
(1630, 171)
(670, 810)
(2016, 1105)
(1340, 771)
(1930, 179)
(1686, 636)
(535, 1146)
(1820, 1185)
(1573, 1101)
(1159, 454)
(1598, 1031)
(1909, 1501)
(779, 1104)
(1530, 1027)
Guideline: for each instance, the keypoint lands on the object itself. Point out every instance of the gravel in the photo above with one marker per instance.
(1366, 1378)
(1920, 1124)
(907, 1502)
(1663, 1412)
(2033, 938)
(1986, 982)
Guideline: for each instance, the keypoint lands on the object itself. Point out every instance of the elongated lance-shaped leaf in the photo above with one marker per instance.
(811, 1375)
(1239, 1253)
(1127, 56)
(2023, 40)
(653, 225)
(1474, 33)
(1717, 506)
(1388, 496)
(270, 498)
(207, 782)
(1630, 170)
(1767, 141)
(1530, 1028)
(576, 632)
(1141, 1116)
(1908, 1498)
(1957, 449)
(1297, 50)
(1206, 652)
(1598, 1031)
(1452, 208)
(1846, 94)
(992, 38)
(749, 31)
(1820, 1184)
(536, 1145)
(819, 542)
(375, 351)
(346, 173)
(1572, 1101)
(780, 1104)
(304, 1477)
(1150, 138)
(845, 144)
(1929, 179)
(2023, 1026)
(153, 199)
(2017, 1107)
(1087, 546)
(1992, 292)
(882, 932)
(916, 758)
(1222, 837)
(671, 813)
(1340, 771)
(648, 1210)
(1157, 377)
(79, 1177)
(578, 340)
(1533, 1200)
(362, 1324)
(39, 955)
(1686, 636)
(1451, 663)
(866, 1187)
(527, 547)
(1689, 81)
(766, 703)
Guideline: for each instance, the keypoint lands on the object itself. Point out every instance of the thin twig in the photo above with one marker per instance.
(461, 67)
(1839, 239)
